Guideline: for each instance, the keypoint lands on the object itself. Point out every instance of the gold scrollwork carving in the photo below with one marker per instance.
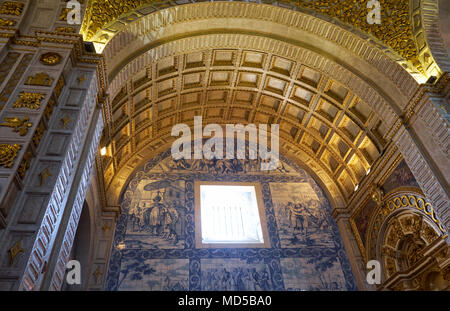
(65, 120)
(25, 164)
(396, 29)
(44, 175)
(29, 100)
(7, 22)
(59, 86)
(11, 8)
(97, 274)
(49, 109)
(376, 194)
(106, 228)
(18, 126)
(81, 79)
(63, 15)
(50, 58)
(38, 134)
(8, 153)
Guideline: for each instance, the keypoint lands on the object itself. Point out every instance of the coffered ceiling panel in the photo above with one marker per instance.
(317, 115)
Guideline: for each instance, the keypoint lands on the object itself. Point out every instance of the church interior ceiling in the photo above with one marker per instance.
(321, 121)
(401, 30)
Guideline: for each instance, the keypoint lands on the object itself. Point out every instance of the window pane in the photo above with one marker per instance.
(229, 214)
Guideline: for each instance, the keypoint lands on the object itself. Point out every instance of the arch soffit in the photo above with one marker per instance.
(399, 32)
(329, 187)
(314, 60)
(372, 62)
(399, 80)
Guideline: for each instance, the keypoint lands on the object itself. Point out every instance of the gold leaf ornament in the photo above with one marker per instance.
(8, 153)
(29, 100)
(18, 126)
(50, 58)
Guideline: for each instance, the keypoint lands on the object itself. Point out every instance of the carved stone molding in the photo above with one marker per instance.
(411, 250)
(435, 44)
(396, 30)
(284, 23)
(424, 175)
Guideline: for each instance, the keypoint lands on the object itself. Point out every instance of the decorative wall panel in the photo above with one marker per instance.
(154, 243)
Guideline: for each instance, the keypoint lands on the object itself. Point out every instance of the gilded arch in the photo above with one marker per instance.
(409, 241)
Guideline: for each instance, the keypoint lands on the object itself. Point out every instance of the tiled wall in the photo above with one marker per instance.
(158, 253)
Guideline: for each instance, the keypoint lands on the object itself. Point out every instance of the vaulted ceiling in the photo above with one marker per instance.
(324, 125)
(401, 30)
(337, 97)
(318, 116)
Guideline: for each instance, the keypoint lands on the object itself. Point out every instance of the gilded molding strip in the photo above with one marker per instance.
(11, 8)
(411, 201)
(18, 126)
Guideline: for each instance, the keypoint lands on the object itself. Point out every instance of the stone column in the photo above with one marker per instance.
(424, 142)
(45, 119)
(103, 243)
(353, 252)
(54, 276)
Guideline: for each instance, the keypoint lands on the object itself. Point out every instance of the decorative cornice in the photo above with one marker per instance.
(395, 31)
(434, 41)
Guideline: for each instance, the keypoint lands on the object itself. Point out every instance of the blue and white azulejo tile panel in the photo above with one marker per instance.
(154, 245)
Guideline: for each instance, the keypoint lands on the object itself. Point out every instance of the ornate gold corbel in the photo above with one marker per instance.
(376, 193)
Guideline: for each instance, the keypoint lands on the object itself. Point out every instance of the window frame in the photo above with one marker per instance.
(261, 212)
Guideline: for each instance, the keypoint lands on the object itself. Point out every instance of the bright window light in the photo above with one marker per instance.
(229, 214)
